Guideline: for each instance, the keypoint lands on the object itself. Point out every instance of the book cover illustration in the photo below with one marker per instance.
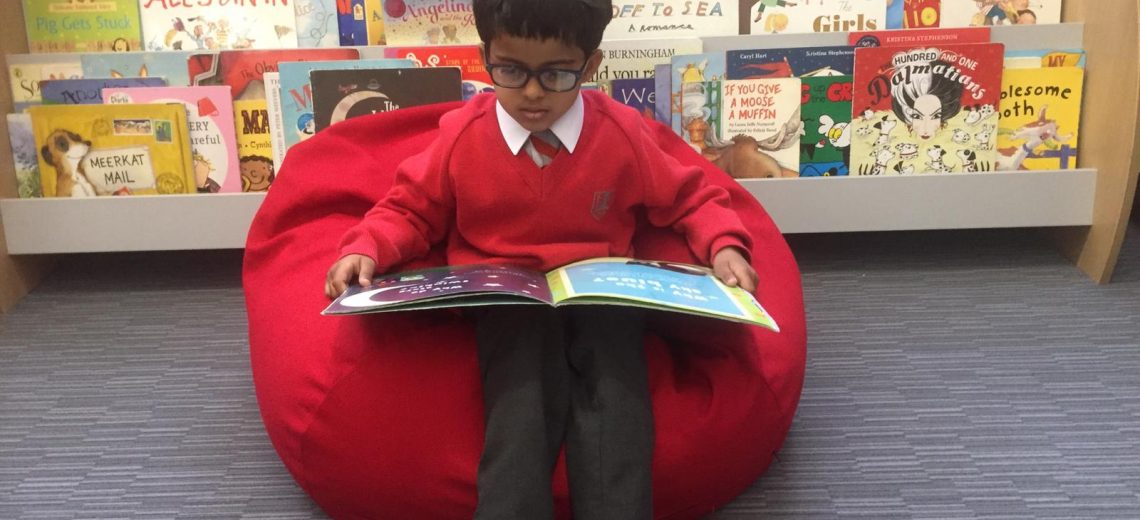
(666, 286)
(352, 22)
(255, 144)
(825, 147)
(638, 94)
(895, 15)
(1040, 113)
(791, 62)
(701, 115)
(468, 58)
(24, 156)
(88, 91)
(926, 109)
(100, 150)
(374, 13)
(760, 128)
(242, 70)
(273, 112)
(921, 14)
(27, 71)
(181, 26)
(631, 59)
(316, 23)
(812, 16)
(1037, 58)
(344, 94)
(674, 19)
(169, 65)
(210, 119)
(662, 88)
(296, 94)
(429, 22)
(963, 13)
(93, 26)
(917, 37)
(689, 75)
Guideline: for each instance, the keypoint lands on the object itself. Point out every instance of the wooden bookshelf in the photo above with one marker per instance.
(1085, 210)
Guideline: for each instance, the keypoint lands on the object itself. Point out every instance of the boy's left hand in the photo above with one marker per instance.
(731, 267)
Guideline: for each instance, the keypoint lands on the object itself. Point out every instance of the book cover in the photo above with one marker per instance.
(353, 24)
(825, 147)
(662, 88)
(93, 26)
(818, 16)
(100, 150)
(25, 160)
(1037, 58)
(638, 94)
(917, 37)
(429, 22)
(184, 26)
(895, 14)
(374, 13)
(631, 59)
(687, 71)
(273, 112)
(296, 94)
(344, 94)
(764, 116)
(169, 65)
(468, 58)
(925, 109)
(701, 115)
(664, 286)
(964, 13)
(27, 71)
(316, 23)
(242, 70)
(88, 91)
(255, 144)
(790, 62)
(210, 119)
(1040, 115)
(674, 19)
(921, 14)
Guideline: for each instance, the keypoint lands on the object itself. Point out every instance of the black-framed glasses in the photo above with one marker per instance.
(551, 79)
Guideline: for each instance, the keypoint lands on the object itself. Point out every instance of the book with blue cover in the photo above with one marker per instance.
(790, 62)
(88, 91)
(170, 65)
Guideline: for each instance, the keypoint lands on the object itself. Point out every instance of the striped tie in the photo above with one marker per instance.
(542, 147)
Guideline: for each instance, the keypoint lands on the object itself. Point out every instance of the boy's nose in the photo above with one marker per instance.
(533, 89)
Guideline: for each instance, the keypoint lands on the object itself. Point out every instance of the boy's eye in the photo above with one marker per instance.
(511, 71)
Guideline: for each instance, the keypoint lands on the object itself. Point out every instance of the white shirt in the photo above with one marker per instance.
(567, 128)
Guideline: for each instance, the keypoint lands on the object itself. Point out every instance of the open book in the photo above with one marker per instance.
(666, 286)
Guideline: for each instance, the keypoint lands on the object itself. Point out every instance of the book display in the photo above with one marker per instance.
(1009, 151)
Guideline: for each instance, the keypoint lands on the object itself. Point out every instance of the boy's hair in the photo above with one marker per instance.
(574, 22)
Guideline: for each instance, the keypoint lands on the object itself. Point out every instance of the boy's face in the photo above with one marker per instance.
(532, 106)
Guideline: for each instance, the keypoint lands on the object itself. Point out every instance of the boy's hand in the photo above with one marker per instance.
(730, 266)
(349, 269)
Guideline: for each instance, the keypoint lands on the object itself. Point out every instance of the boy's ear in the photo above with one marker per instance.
(592, 64)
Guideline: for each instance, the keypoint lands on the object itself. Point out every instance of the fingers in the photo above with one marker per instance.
(345, 271)
(747, 276)
(726, 274)
(367, 268)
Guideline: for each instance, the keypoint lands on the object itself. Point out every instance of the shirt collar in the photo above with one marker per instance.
(567, 128)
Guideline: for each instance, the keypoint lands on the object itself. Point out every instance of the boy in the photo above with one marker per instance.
(540, 175)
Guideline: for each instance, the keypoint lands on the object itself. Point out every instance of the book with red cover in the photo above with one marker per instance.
(468, 58)
(913, 37)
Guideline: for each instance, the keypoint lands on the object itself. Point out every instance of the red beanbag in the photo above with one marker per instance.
(380, 416)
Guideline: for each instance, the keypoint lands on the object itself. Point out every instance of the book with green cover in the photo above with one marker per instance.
(70, 26)
(665, 286)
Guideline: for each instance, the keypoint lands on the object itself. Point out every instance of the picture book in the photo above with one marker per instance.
(917, 37)
(825, 146)
(353, 25)
(664, 286)
(895, 14)
(210, 119)
(429, 22)
(86, 91)
(1032, 59)
(242, 70)
(921, 14)
(27, 71)
(296, 94)
(766, 115)
(688, 70)
(790, 62)
(25, 156)
(701, 115)
(70, 26)
(638, 94)
(662, 89)
(818, 16)
(184, 26)
(344, 94)
(273, 112)
(963, 13)
(100, 150)
(1040, 113)
(255, 144)
(925, 109)
(631, 59)
(475, 77)
(674, 19)
(169, 65)
(374, 20)
(316, 23)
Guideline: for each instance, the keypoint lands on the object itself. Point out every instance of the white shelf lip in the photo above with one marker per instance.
(138, 223)
(1048, 198)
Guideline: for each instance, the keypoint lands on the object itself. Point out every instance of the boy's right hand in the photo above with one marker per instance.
(350, 268)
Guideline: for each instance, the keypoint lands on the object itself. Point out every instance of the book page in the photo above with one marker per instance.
(451, 286)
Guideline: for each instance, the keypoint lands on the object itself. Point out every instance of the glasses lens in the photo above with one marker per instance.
(509, 76)
(558, 80)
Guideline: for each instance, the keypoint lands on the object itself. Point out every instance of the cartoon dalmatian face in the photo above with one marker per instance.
(986, 111)
(961, 136)
(936, 153)
(907, 150)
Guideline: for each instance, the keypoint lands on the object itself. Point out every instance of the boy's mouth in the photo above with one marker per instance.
(533, 114)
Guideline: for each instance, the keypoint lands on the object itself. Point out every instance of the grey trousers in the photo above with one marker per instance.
(575, 374)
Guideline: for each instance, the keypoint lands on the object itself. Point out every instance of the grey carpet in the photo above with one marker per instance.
(966, 374)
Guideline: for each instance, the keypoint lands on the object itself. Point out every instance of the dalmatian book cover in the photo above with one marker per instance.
(664, 286)
(926, 109)
(102, 150)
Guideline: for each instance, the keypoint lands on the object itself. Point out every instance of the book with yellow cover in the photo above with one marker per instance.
(1040, 113)
(98, 150)
(255, 144)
